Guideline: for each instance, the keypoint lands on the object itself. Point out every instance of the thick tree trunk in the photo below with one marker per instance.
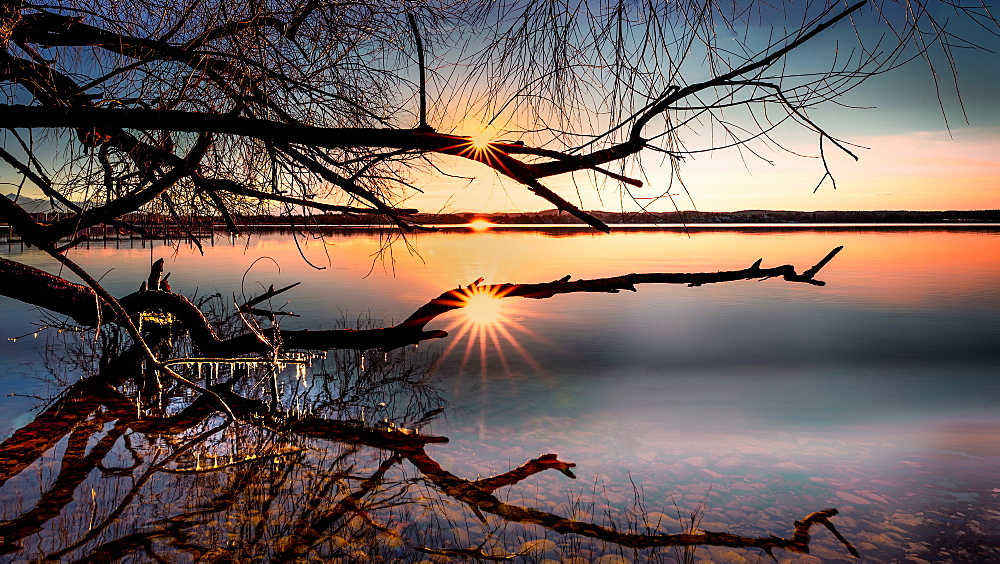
(37, 287)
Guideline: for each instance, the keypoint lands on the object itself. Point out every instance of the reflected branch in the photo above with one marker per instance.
(75, 405)
(138, 485)
(482, 499)
(317, 519)
(77, 464)
(529, 468)
(309, 532)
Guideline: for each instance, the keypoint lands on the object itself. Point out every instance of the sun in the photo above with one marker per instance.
(480, 224)
(482, 308)
(485, 327)
(481, 141)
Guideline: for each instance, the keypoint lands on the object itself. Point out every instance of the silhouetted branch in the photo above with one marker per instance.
(270, 293)
(675, 94)
(456, 299)
(421, 67)
(285, 134)
(79, 302)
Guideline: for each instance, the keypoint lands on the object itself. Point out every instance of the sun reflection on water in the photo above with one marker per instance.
(482, 307)
(480, 224)
(484, 322)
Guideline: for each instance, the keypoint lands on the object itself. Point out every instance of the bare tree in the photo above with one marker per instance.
(210, 108)
(195, 110)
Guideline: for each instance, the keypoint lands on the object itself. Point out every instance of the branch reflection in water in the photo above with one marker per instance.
(326, 458)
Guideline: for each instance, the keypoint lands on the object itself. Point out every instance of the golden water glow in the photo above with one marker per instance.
(480, 224)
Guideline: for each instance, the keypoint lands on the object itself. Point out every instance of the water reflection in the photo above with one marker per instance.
(329, 462)
(758, 403)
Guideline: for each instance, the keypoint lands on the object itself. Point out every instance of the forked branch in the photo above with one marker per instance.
(457, 298)
(479, 496)
(79, 302)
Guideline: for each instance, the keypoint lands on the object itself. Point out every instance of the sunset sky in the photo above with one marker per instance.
(912, 156)
(919, 169)
(911, 160)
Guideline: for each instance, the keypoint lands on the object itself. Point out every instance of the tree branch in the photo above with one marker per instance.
(456, 299)
(422, 126)
(675, 94)
(39, 288)
(285, 134)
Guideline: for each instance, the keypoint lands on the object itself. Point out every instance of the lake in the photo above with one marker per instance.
(743, 406)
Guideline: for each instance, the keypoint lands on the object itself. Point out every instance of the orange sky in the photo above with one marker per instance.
(918, 170)
(926, 146)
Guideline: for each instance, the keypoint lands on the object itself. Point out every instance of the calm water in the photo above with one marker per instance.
(752, 403)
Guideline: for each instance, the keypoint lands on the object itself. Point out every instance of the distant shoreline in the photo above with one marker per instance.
(690, 218)
(42, 210)
(964, 226)
(158, 225)
(738, 217)
(212, 231)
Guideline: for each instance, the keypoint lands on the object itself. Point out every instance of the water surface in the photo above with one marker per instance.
(754, 402)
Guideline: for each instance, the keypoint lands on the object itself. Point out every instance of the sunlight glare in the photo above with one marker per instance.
(480, 224)
(482, 308)
(481, 140)
(483, 323)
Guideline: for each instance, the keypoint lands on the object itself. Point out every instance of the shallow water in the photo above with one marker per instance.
(751, 403)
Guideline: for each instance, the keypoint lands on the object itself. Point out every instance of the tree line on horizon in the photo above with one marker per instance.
(47, 211)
